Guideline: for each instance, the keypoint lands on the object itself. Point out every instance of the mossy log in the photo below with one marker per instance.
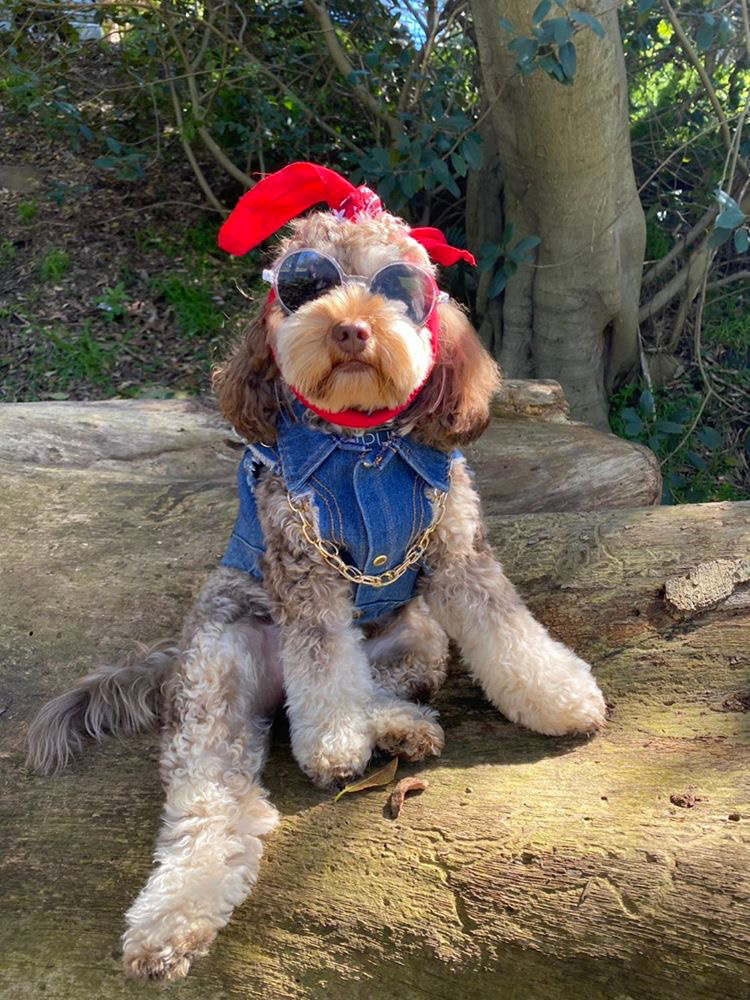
(531, 868)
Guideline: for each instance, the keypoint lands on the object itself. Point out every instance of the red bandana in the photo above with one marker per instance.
(283, 195)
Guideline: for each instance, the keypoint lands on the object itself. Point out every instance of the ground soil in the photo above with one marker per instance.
(107, 287)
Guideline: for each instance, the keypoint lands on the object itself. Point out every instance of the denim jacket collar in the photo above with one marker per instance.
(302, 448)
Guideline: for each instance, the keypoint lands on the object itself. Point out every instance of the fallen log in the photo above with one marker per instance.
(531, 458)
(530, 867)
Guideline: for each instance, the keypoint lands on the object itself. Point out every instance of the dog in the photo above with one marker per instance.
(358, 551)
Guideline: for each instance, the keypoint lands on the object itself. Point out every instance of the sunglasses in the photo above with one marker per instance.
(304, 275)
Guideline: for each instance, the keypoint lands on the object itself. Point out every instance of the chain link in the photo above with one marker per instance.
(330, 552)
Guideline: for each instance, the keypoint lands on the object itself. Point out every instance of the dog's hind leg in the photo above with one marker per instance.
(216, 812)
(409, 656)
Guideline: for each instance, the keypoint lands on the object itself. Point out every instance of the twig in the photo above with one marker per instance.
(682, 244)
(199, 175)
(728, 279)
(693, 59)
(345, 67)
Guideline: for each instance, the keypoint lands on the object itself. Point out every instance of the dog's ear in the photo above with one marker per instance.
(453, 408)
(245, 385)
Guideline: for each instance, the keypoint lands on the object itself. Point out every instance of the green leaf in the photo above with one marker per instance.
(669, 427)
(709, 437)
(741, 241)
(541, 11)
(644, 6)
(522, 248)
(524, 49)
(562, 30)
(527, 66)
(725, 200)
(646, 402)
(441, 171)
(113, 145)
(567, 55)
(472, 152)
(507, 234)
(488, 256)
(459, 164)
(505, 23)
(105, 162)
(696, 460)
(726, 30)
(552, 68)
(497, 284)
(632, 421)
(409, 184)
(717, 237)
(682, 414)
(730, 218)
(580, 17)
(705, 33)
(386, 185)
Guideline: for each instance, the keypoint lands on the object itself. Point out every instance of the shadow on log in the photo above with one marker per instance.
(530, 868)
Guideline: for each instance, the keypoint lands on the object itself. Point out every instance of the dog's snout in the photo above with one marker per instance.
(351, 337)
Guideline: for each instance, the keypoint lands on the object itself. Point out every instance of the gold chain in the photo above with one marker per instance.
(330, 552)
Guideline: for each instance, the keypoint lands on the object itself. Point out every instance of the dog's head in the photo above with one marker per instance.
(354, 324)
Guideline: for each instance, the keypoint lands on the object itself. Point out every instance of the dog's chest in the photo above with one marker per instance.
(372, 497)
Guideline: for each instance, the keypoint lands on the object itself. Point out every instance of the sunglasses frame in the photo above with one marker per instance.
(270, 275)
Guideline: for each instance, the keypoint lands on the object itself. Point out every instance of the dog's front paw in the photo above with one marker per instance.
(148, 958)
(335, 755)
(408, 731)
(566, 702)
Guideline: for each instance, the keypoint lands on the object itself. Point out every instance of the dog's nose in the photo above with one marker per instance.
(351, 337)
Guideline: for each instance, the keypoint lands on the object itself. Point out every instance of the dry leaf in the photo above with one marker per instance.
(382, 777)
(402, 789)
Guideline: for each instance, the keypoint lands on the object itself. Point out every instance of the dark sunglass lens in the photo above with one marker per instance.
(305, 276)
(407, 284)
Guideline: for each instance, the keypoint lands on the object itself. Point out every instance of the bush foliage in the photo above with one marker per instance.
(392, 93)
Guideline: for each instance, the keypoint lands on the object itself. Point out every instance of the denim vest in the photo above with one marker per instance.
(370, 494)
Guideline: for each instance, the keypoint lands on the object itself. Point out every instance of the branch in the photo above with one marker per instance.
(199, 175)
(208, 140)
(681, 244)
(284, 88)
(344, 66)
(665, 295)
(728, 279)
(693, 59)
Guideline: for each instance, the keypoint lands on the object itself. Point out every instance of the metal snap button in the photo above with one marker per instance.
(380, 560)
(367, 465)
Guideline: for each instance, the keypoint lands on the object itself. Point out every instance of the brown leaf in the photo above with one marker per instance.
(402, 789)
(375, 780)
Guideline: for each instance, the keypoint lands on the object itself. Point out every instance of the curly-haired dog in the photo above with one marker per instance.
(358, 550)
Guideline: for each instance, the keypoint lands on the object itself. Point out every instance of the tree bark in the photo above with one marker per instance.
(567, 177)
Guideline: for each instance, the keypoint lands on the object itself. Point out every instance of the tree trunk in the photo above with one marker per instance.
(567, 177)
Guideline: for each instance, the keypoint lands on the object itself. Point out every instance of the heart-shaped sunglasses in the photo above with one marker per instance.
(303, 275)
